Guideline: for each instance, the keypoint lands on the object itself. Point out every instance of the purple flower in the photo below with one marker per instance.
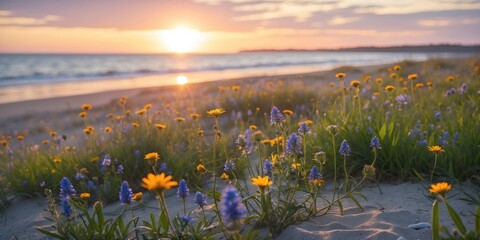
(276, 117)
(125, 194)
(402, 99)
(106, 160)
(79, 176)
(66, 188)
(231, 208)
(375, 143)
(120, 169)
(314, 174)
(344, 148)
(67, 208)
(267, 167)
(183, 191)
(186, 219)
(294, 145)
(229, 166)
(303, 129)
(200, 199)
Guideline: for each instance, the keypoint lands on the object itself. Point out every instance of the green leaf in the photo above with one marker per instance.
(382, 132)
(435, 221)
(48, 233)
(340, 206)
(456, 219)
(477, 220)
(356, 202)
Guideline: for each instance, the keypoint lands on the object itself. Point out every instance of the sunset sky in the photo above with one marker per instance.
(224, 26)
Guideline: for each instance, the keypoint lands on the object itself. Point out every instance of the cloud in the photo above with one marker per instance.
(6, 18)
(339, 20)
(434, 22)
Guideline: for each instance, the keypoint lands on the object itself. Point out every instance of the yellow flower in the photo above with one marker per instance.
(135, 125)
(147, 106)
(331, 84)
(450, 78)
(160, 126)
(86, 106)
(288, 112)
(179, 119)
(45, 142)
(127, 112)
(224, 176)
(355, 83)
(340, 76)
(137, 196)
(419, 85)
(158, 183)
(89, 130)
(412, 77)
(440, 188)
(253, 127)
(57, 160)
(216, 112)
(152, 156)
(261, 182)
(53, 171)
(20, 137)
(397, 68)
(82, 114)
(317, 182)
(200, 133)
(94, 159)
(85, 195)
(379, 80)
(429, 84)
(266, 142)
(390, 88)
(201, 168)
(236, 88)
(367, 78)
(141, 111)
(53, 134)
(108, 129)
(123, 100)
(435, 149)
(83, 170)
(296, 166)
(376, 94)
(405, 89)
(194, 116)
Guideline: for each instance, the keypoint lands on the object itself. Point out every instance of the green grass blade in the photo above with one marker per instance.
(435, 221)
(456, 219)
(477, 220)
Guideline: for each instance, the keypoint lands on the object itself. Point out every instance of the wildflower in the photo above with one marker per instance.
(294, 145)
(183, 191)
(315, 177)
(368, 171)
(106, 160)
(295, 166)
(224, 176)
(67, 208)
(79, 176)
(216, 112)
(57, 160)
(340, 75)
(253, 127)
(288, 112)
(429, 84)
(276, 116)
(419, 85)
(229, 166)
(125, 194)
(303, 129)
(163, 167)
(344, 148)
(231, 208)
(186, 219)
(152, 156)
(463, 88)
(267, 167)
(258, 135)
(160, 126)
(66, 188)
(85, 195)
(397, 68)
(389, 88)
(123, 101)
(236, 88)
(450, 78)
(200, 199)
(45, 142)
(94, 159)
(440, 188)
(179, 119)
(355, 83)
(261, 182)
(137, 196)
(158, 183)
(331, 84)
(412, 77)
(332, 129)
(200, 133)
(141, 111)
(147, 106)
(194, 116)
(42, 184)
(375, 143)
(86, 107)
(89, 130)
(321, 157)
(135, 125)
(120, 169)
(435, 149)
(379, 80)
(53, 134)
(201, 168)
(107, 129)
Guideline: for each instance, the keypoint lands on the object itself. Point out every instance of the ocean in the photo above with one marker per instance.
(34, 76)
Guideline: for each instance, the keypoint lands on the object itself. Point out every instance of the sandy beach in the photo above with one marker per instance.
(385, 216)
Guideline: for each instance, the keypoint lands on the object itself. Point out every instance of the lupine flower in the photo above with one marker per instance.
(229, 166)
(163, 167)
(183, 191)
(126, 194)
(375, 143)
(294, 145)
(120, 169)
(231, 208)
(42, 184)
(437, 115)
(276, 117)
(315, 177)
(79, 176)
(344, 148)
(186, 219)
(462, 89)
(267, 167)
(67, 208)
(402, 99)
(66, 188)
(106, 160)
(240, 142)
(303, 129)
(137, 153)
(200, 199)
(91, 185)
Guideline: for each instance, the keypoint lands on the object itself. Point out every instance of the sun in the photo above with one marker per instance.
(181, 39)
(182, 80)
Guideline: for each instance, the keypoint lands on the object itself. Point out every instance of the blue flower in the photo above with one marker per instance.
(314, 174)
(79, 176)
(66, 188)
(200, 199)
(91, 185)
(267, 167)
(183, 191)
(186, 219)
(67, 208)
(126, 194)
(344, 148)
(375, 143)
(163, 167)
(303, 129)
(294, 145)
(120, 169)
(106, 160)
(231, 208)
(276, 117)
(137, 153)
(437, 115)
(229, 165)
